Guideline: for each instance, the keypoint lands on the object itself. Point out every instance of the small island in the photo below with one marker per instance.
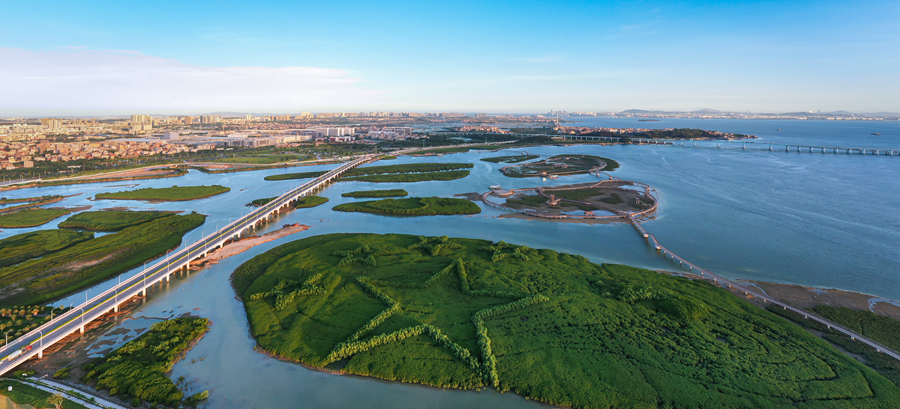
(553, 327)
(32, 217)
(166, 194)
(607, 199)
(561, 165)
(413, 206)
(376, 193)
(410, 172)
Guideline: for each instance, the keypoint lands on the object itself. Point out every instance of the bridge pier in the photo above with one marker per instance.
(40, 354)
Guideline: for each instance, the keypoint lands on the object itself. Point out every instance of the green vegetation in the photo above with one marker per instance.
(413, 206)
(553, 327)
(111, 220)
(376, 193)
(510, 159)
(92, 261)
(25, 246)
(410, 177)
(31, 217)
(261, 202)
(24, 394)
(138, 369)
(28, 202)
(680, 133)
(613, 198)
(880, 327)
(532, 200)
(407, 168)
(309, 201)
(167, 194)
(17, 321)
(388, 157)
(291, 176)
(263, 159)
(560, 165)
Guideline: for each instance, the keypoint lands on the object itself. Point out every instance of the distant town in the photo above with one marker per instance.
(30, 142)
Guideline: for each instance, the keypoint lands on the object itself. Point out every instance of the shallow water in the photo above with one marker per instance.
(813, 219)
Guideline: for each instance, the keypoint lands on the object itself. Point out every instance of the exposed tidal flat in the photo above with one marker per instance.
(812, 219)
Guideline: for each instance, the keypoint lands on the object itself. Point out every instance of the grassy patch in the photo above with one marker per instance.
(388, 157)
(138, 369)
(167, 194)
(533, 200)
(613, 198)
(291, 176)
(59, 273)
(553, 327)
(884, 330)
(263, 159)
(31, 217)
(309, 201)
(24, 394)
(413, 206)
(410, 177)
(376, 193)
(25, 246)
(111, 220)
(510, 159)
(407, 168)
(260, 202)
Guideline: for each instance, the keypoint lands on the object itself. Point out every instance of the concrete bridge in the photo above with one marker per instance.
(734, 286)
(35, 342)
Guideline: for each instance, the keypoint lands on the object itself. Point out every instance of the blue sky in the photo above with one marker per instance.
(169, 57)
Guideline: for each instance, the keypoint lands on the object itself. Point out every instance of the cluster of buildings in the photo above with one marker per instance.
(29, 154)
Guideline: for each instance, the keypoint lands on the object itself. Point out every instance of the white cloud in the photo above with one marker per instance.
(118, 81)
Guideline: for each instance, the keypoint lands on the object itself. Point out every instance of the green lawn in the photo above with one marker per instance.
(376, 193)
(413, 206)
(24, 394)
(553, 327)
(309, 201)
(167, 194)
(31, 217)
(139, 368)
(111, 220)
(25, 246)
(59, 273)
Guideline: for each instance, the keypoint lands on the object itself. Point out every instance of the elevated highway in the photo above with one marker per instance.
(36, 341)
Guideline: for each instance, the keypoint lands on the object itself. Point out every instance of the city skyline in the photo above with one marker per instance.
(526, 57)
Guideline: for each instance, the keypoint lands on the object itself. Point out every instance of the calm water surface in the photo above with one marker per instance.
(814, 219)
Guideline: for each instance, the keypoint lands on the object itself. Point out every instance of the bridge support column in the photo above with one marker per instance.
(116, 308)
(41, 354)
(81, 329)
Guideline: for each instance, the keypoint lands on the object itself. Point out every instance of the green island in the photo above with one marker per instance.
(25, 246)
(409, 177)
(413, 206)
(309, 201)
(138, 369)
(410, 172)
(166, 194)
(31, 217)
(388, 157)
(376, 193)
(111, 220)
(510, 159)
(260, 202)
(25, 394)
(553, 327)
(560, 165)
(89, 262)
(28, 202)
(292, 176)
(19, 320)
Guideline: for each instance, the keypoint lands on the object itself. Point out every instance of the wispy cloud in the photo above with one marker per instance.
(119, 80)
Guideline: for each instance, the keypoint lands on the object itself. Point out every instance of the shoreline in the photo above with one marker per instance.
(803, 296)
